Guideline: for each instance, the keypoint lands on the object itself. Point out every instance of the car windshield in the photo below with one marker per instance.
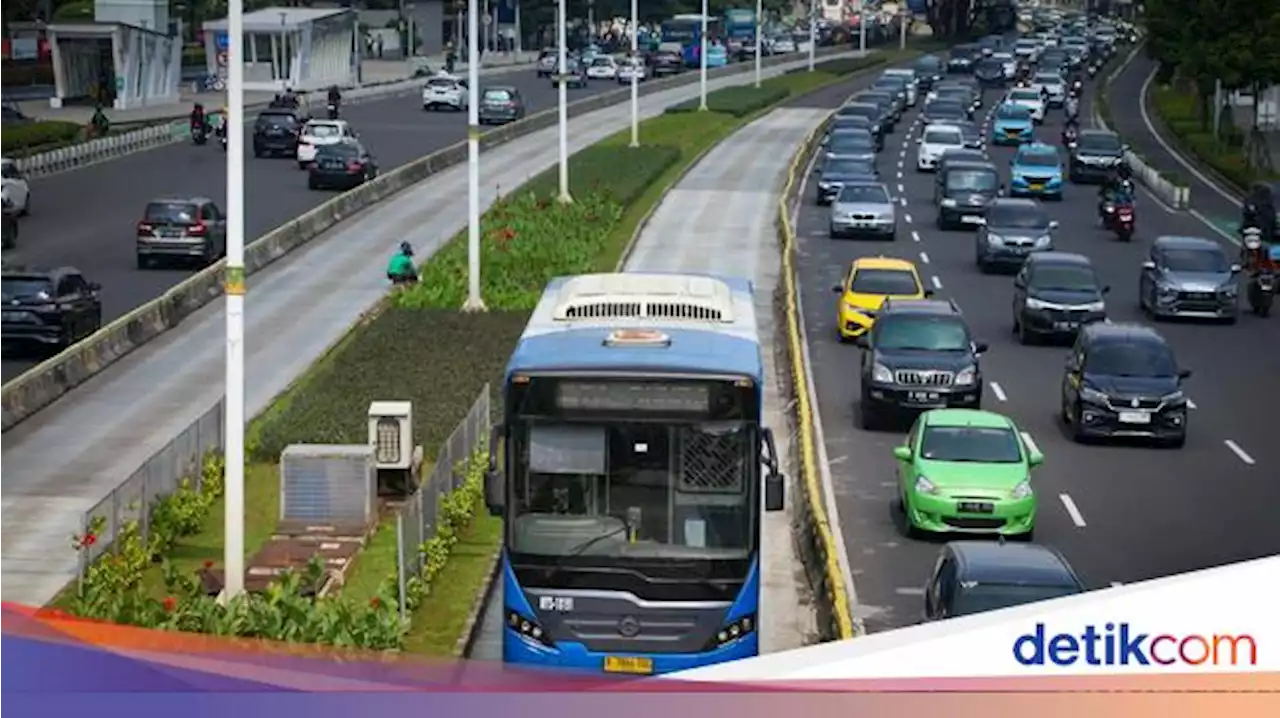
(991, 65)
(1013, 112)
(850, 143)
(1136, 359)
(170, 213)
(990, 597)
(1025, 96)
(887, 282)
(322, 131)
(846, 122)
(1102, 143)
(938, 136)
(497, 96)
(977, 444)
(602, 62)
(1064, 278)
(922, 333)
(1017, 217)
(24, 287)
(867, 111)
(972, 180)
(928, 64)
(1209, 261)
(945, 109)
(953, 93)
(1037, 159)
(863, 194)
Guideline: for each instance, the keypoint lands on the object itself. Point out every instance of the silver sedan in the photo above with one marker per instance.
(864, 209)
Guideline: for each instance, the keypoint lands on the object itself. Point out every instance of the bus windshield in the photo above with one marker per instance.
(633, 470)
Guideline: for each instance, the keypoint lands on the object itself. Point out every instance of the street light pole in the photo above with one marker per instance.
(561, 23)
(813, 32)
(233, 403)
(759, 36)
(862, 31)
(635, 72)
(902, 35)
(702, 59)
(474, 303)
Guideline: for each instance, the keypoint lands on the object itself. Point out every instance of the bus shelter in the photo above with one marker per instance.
(302, 49)
(117, 64)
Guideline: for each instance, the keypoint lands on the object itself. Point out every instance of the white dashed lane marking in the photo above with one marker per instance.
(995, 389)
(907, 217)
(1239, 452)
(915, 236)
(1072, 510)
(937, 283)
(924, 257)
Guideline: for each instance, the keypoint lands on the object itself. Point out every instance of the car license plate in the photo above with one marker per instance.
(969, 219)
(1065, 326)
(924, 397)
(975, 507)
(1135, 417)
(1037, 187)
(635, 665)
(15, 316)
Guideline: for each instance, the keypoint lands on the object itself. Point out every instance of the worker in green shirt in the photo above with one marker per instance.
(401, 269)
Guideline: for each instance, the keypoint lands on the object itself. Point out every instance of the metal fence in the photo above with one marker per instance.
(158, 476)
(417, 519)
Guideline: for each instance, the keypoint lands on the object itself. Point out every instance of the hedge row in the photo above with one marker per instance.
(41, 136)
(738, 101)
(1226, 155)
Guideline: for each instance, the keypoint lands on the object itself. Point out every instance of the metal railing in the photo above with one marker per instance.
(180, 459)
(417, 520)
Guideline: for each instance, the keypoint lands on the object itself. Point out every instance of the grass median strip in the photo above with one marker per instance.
(418, 347)
(1227, 154)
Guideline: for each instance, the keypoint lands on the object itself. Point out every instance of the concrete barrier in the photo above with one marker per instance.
(45, 383)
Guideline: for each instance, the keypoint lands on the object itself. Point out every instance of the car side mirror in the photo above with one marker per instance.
(902, 453)
(838, 289)
(494, 486)
(1149, 265)
(774, 480)
(1053, 224)
(928, 292)
(1034, 457)
(919, 140)
(980, 348)
(1019, 282)
(1184, 373)
(1235, 269)
(1106, 289)
(861, 341)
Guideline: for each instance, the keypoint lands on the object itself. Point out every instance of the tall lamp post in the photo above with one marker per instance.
(474, 303)
(561, 23)
(635, 72)
(702, 60)
(813, 32)
(759, 36)
(233, 403)
(862, 30)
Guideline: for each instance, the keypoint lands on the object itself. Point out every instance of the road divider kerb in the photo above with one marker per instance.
(1172, 194)
(43, 384)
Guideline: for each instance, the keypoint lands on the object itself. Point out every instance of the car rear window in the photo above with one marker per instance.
(171, 212)
(343, 151)
(497, 96)
(277, 119)
(863, 194)
(943, 137)
(323, 131)
(891, 282)
(24, 287)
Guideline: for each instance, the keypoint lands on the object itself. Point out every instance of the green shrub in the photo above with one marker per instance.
(438, 360)
(618, 172)
(39, 136)
(737, 101)
(1180, 113)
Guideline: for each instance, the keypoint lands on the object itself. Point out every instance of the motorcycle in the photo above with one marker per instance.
(1076, 88)
(1070, 139)
(1262, 280)
(1122, 222)
(199, 133)
(1093, 70)
(333, 110)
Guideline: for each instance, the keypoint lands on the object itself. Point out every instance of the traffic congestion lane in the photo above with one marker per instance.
(86, 218)
(1095, 501)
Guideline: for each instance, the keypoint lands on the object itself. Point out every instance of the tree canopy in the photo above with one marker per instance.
(1235, 41)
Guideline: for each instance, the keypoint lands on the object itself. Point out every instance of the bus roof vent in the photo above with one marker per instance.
(645, 296)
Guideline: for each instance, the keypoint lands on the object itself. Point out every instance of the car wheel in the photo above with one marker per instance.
(257, 153)
(302, 165)
(26, 207)
(1077, 427)
(985, 268)
(311, 184)
(869, 419)
(1176, 443)
(908, 528)
(143, 261)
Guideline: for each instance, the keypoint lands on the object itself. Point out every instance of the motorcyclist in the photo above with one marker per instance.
(1116, 191)
(286, 99)
(198, 118)
(1070, 130)
(401, 269)
(1259, 211)
(1072, 108)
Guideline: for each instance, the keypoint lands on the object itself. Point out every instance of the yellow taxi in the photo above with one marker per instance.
(869, 281)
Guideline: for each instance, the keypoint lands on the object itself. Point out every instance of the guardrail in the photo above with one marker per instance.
(179, 130)
(43, 384)
(1167, 191)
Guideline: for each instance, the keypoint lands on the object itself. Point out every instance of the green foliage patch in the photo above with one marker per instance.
(738, 101)
(41, 136)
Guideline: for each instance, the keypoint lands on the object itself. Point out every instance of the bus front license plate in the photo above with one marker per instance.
(628, 664)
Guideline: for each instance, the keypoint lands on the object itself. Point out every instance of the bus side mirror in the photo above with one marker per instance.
(774, 481)
(494, 488)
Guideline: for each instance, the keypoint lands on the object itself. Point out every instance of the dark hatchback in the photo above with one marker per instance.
(929, 69)
(963, 192)
(1013, 229)
(919, 355)
(341, 166)
(834, 173)
(1097, 154)
(50, 308)
(978, 576)
(275, 132)
(945, 112)
(666, 63)
(856, 122)
(869, 111)
(963, 58)
(1055, 294)
(500, 105)
(990, 73)
(889, 113)
(1122, 381)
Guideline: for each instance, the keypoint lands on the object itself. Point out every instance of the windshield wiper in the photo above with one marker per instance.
(583, 547)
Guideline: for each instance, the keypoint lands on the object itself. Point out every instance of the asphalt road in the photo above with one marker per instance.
(1119, 513)
(86, 218)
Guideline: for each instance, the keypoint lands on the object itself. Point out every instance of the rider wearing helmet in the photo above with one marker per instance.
(401, 268)
(1116, 189)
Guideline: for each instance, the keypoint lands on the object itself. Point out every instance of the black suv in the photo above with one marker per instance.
(918, 355)
(1056, 293)
(929, 69)
(54, 308)
(1122, 380)
(1096, 155)
(977, 576)
(963, 191)
(963, 58)
(276, 132)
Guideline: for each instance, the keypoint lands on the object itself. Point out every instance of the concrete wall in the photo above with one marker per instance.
(149, 14)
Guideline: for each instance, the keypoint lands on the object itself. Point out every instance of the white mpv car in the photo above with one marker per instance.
(321, 132)
(1030, 98)
(936, 140)
(1053, 86)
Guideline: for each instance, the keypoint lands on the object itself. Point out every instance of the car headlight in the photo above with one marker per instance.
(1092, 395)
(1033, 303)
(966, 376)
(1166, 291)
(881, 373)
(1022, 490)
(850, 308)
(1098, 306)
(1176, 397)
(925, 486)
(948, 202)
(1228, 291)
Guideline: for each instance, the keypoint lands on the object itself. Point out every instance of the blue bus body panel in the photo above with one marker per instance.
(575, 656)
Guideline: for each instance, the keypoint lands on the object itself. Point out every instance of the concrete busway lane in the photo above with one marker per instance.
(1127, 510)
(86, 218)
(296, 308)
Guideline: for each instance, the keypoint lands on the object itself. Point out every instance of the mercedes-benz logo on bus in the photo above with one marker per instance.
(629, 627)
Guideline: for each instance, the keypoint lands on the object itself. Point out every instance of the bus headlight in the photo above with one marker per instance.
(734, 631)
(528, 628)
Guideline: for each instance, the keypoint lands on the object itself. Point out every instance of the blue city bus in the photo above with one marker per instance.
(630, 467)
(687, 31)
(740, 25)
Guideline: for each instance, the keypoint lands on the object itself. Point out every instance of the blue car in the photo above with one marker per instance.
(1036, 172)
(1012, 125)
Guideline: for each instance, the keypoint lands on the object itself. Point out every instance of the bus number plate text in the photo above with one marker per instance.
(636, 665)
(561, 604)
